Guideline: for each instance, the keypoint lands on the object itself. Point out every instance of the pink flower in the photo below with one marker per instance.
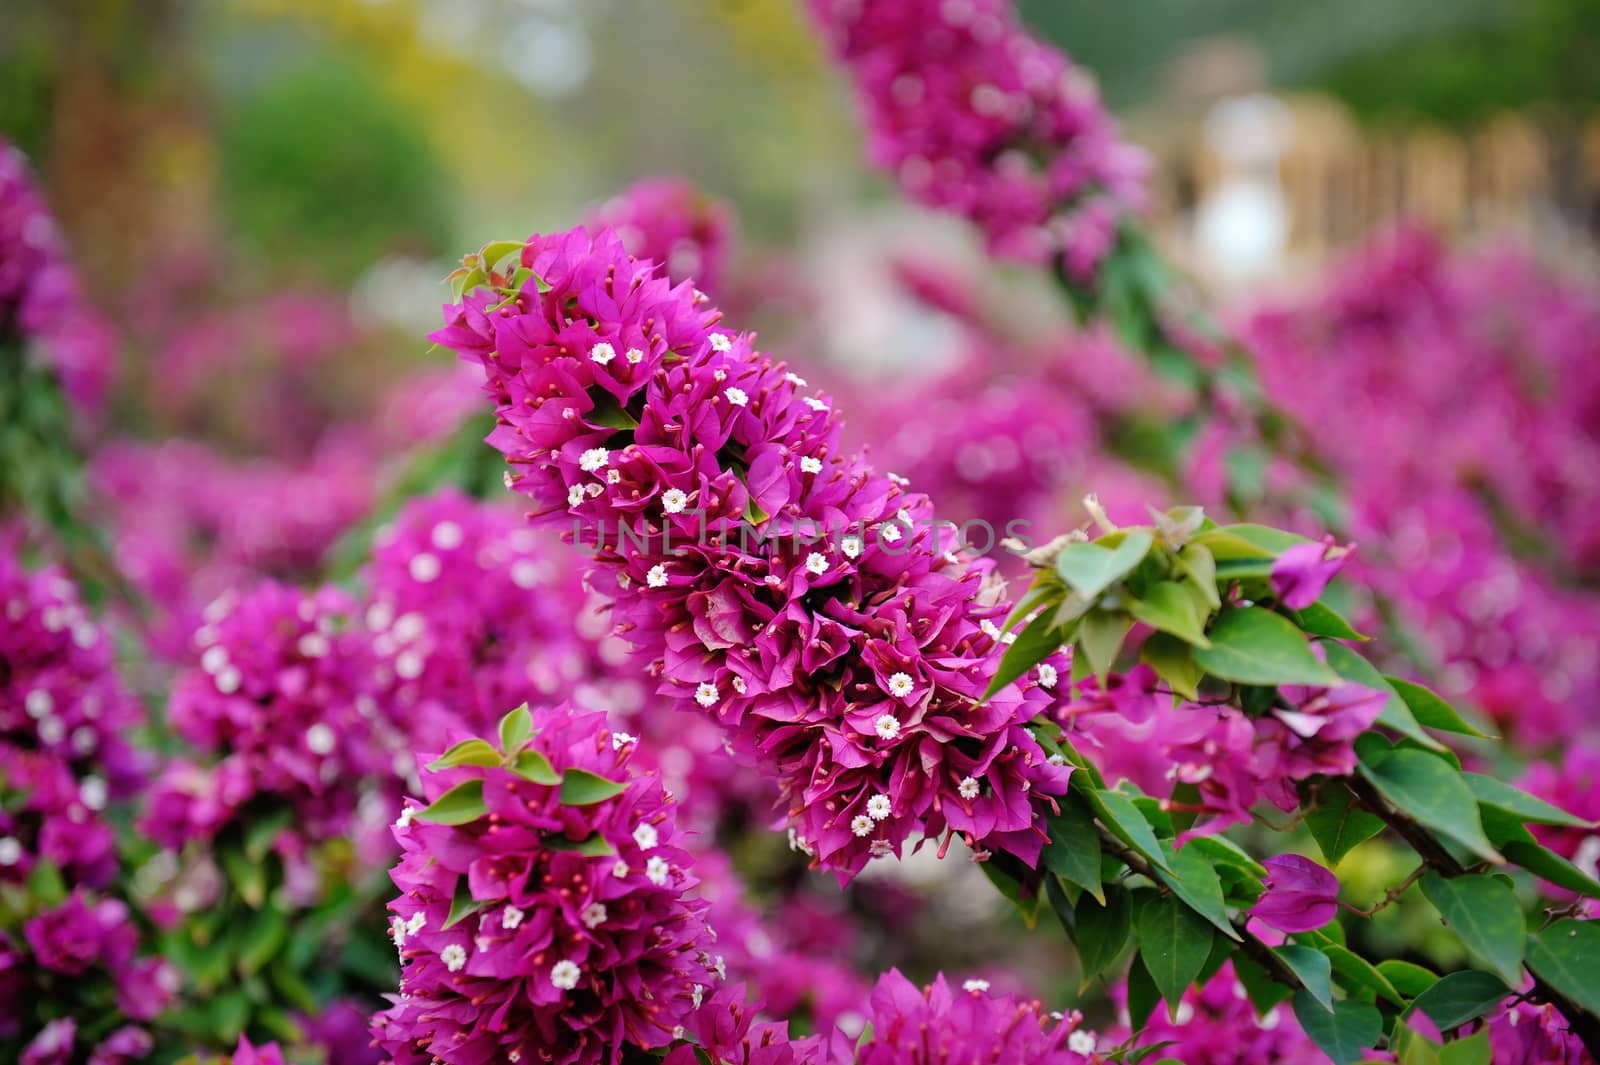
(668, 222)
(1300, 895)
(247, 1054)
(1301, 573)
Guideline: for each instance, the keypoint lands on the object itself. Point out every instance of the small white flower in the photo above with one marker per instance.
(815, 404)
(1271, 1019)
(408, 815)
(1185, 1013)
(810, 464)
(602, 353)
(52, 730)
(887, 726)
(593, 915)
(698, 992)
(320, 739)
(313, 645)
(593, 459)
(903, 482)
(657, 577)
(1081, 1042)
(417, 923)
(975, 985)
(737, 396)
(635, 356)
(673, 500)
(40, 702)
(645, 836)
(1008, 638)
(10, 850)
(861, 825)
(1048, 675)
(797, 842)
(879, 807)
(720, 967)
(720, 342)
(84, 740)
(454, 957)
(1057, 759)
(620, 740)
(446, 536)
(409, 665)
(620, 869)
(613, 477)
(739, 685)
(968, 788)
(424, 567)
(795, 379)
(989, 629)
(575, 495)
(565, 975)
(508, 480)
(901, 685)
(851, 546)
(891, 533)
(706, 694)
(593, 490)
(510, 917)
(817, 563)
(228, 680)
(656, 870)
(92, 793)
(881, 848)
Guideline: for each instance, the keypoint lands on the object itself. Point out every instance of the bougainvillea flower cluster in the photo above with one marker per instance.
(546, 925)
(974, 116)
(40, 300)
(854, 666)
(669, 222)
(1216, 1024)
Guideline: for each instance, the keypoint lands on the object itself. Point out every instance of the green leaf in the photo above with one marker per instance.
(516, 729)
(1100, 637)
(1473, 1050)
(1224, 851)
(529, 764)
(1073, 852)
(593, 846)
(1395, 714)
(1201, 568)
(462, 904)
(265, 933)
(1168, 607)
(1546, 863)
(1319, 619)
(1567, 956)
(1194, 880)
(1035, 643)
(1173, 662)
(249, 878)
(45, 885)
(262, 832)
(1459, 997)
(229, 1012)
(1344, 1032)
(1256, 646)
(1484, 913)
(1431, 710)
(1264, 538)
(1516, 801)
(1264, 991)
(1142, 994)
(1174, 943)
(458, 806)
(1408, 978)
(467, 752)
(1355, 974)
(1125, 821)
(1091, 568)
(1312, 967)
(1411, 1047)
(608, 412)
(1338, 824)
(1102, 931)
(579, 787)
(1430, 791)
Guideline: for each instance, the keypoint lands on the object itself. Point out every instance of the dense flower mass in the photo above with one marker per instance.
(541, 924)
(40, 301)
(1216, 1024)
(814, 607)
(281, 694)
(667, 221)
(974, 116)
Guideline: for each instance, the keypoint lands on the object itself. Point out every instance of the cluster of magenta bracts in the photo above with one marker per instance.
(974, 116)
(853, 665)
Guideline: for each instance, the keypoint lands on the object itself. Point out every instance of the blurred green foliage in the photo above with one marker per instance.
(321, 165)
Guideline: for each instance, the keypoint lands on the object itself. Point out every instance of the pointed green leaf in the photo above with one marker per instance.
(1338, 824)
(1345, 1032)
(1264, 538)
(1142, 994)
(1431, 710)
(1174, 943)
(516, 729)
(467, 752)
(265, 933)
(1073, 852)
(1173, 662)
(459, 805)
(1256, 646)
(579, 787)
(1102, 931)
(1100, 637)
(1312, 967)
(1567, 956)
(1168, 607)
(1485, 914)
(1395, 714)
(1408, 978)
(595, 846)
(1546, 863)
(1201, 568)
(1123, 818)
(1092, 568)
(1319, 619)
(1263, 990)
(1195, 882)
(1355, 974)
(1473, 1050)
(1430, 791)
(531, 765)
(1526, 807)
(462, 904)
(249, 878)
(1457, 998)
